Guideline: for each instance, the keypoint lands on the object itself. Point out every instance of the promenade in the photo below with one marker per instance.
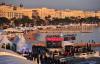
(9, 57)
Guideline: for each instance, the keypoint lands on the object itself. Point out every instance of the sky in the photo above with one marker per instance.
(58, 4)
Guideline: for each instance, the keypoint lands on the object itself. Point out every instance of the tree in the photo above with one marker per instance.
(25, 20)
(47, 19)
(37, 20)
(4, 20)
(92, 20)
(67, 20)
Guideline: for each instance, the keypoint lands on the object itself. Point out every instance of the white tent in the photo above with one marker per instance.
(66, 43)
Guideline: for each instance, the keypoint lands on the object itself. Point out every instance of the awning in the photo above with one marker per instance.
(54, 39)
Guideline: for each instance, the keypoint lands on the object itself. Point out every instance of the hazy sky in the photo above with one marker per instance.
(58, 4)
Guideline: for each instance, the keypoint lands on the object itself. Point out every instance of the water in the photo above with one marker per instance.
(85, 37)
(80, 37)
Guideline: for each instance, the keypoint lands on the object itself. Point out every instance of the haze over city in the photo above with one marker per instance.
(58, 4)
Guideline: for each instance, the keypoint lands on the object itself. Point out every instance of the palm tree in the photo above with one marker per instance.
(47, 19)
(67, 20)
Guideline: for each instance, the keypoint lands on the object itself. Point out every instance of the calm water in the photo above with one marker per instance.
(80, 37)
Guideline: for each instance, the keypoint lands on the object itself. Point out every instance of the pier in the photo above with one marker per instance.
(87, 44)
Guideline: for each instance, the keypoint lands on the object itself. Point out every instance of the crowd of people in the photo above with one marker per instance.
(71, 50)
(42, 56)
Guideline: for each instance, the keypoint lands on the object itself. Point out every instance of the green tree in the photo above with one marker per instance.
(25, 20)
(4, 22)
(47, 19)
(67, 20)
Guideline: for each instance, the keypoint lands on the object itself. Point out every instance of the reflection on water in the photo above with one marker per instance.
(88, 37)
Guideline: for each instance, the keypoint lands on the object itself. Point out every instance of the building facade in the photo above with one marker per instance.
(10, 11)
(44, 12)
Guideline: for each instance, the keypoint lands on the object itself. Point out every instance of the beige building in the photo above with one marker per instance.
(43, 12)
(98, 14)
(10, 11)
(73, 13)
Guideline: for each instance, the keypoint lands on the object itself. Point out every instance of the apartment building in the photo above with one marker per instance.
(43, 12)
(10, 11)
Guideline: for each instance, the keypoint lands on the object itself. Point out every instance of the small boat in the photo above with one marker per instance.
(88, 54)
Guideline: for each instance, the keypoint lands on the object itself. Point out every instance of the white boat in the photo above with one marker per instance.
(88, 54)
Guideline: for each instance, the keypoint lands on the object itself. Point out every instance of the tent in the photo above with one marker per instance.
(66, 43)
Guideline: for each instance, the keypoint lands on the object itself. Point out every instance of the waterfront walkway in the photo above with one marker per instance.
(85, 44)
(4, 52)
(10, 57)
(13, 60)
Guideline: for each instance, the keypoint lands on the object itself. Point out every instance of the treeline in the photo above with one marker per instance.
(37, 21)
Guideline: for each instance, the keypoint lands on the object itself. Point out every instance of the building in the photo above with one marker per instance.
(98, 14)
(10, 11)
(44, 12)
